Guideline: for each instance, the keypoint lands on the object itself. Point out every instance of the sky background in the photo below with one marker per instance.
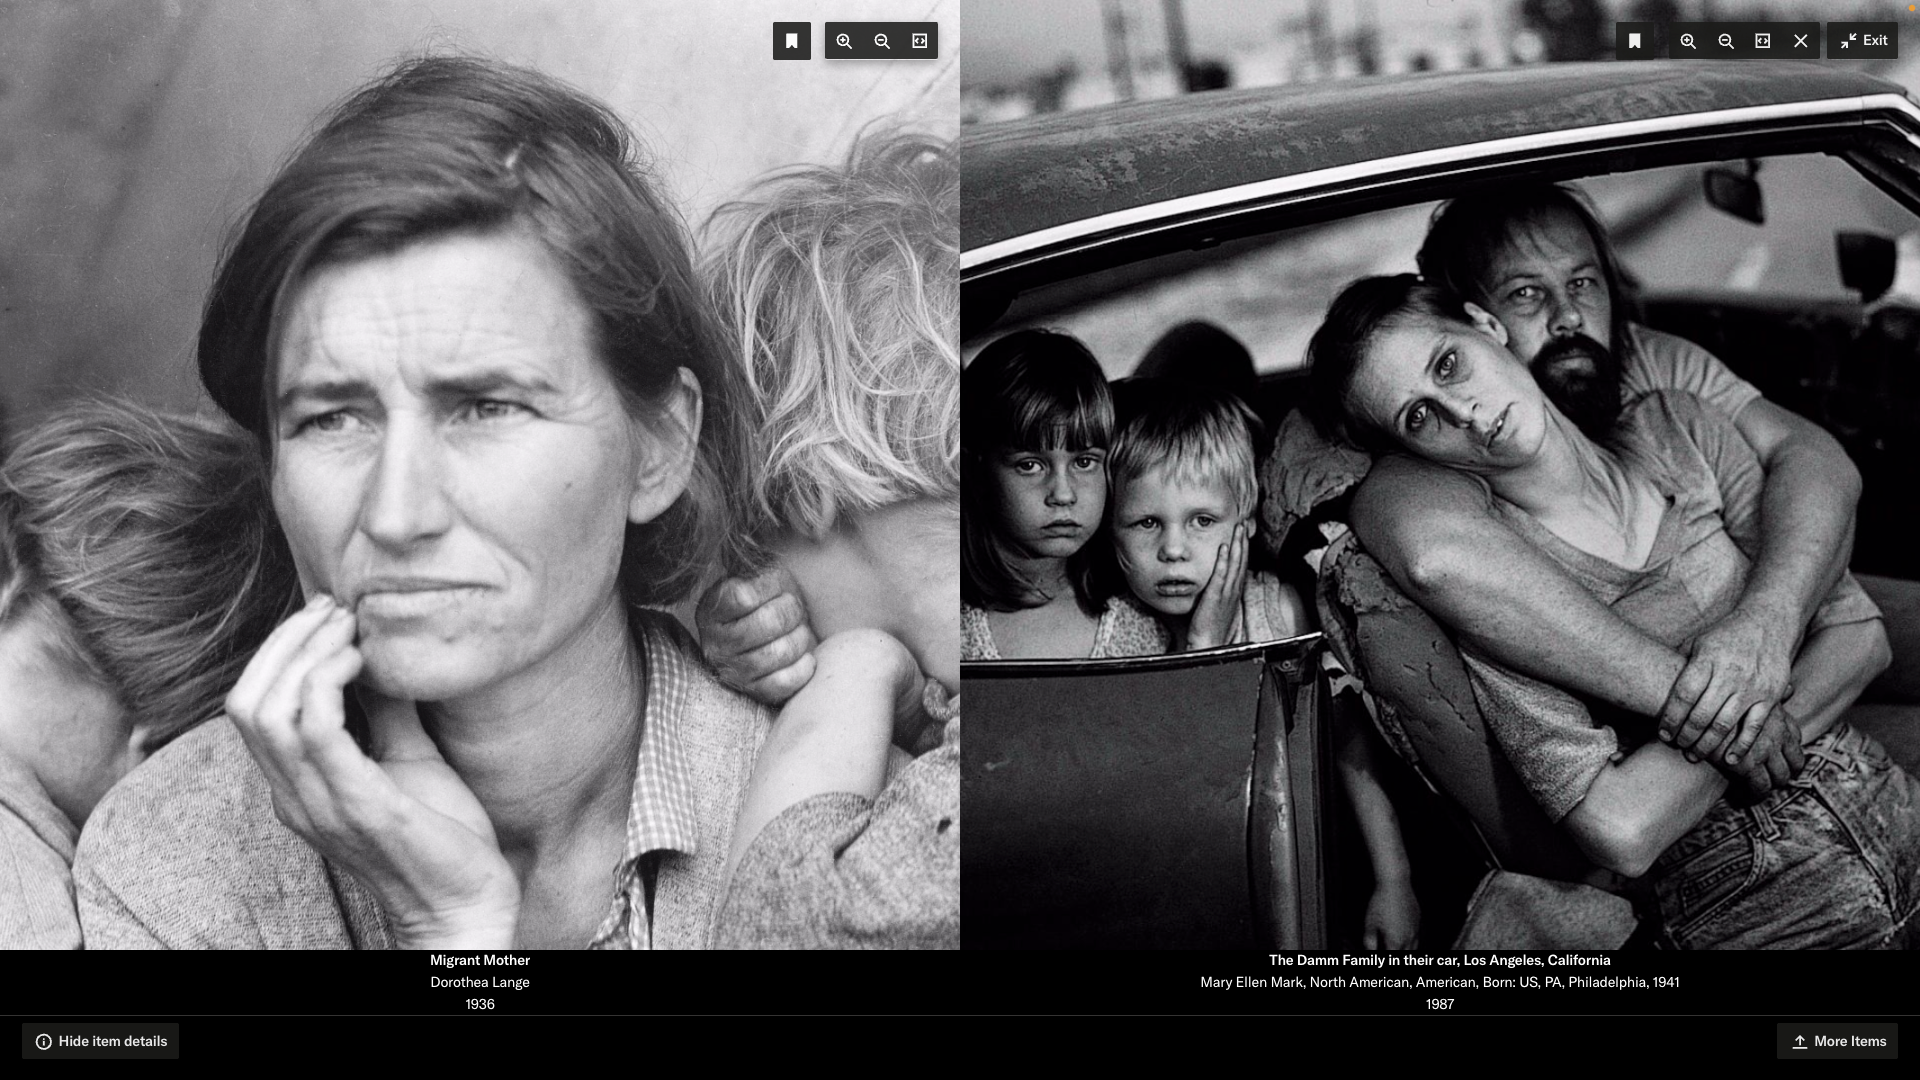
(133, 133)
(1011, 39)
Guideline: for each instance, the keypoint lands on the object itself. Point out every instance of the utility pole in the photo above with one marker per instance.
(1366, 38)
(1119, 64)
(1320, 35)
(1177, 52)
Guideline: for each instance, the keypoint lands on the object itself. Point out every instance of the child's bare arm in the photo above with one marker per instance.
(836, 734)
(1393, 913)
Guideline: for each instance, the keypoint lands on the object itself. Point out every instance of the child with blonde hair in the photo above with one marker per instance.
(841, 285)
(1184, 488)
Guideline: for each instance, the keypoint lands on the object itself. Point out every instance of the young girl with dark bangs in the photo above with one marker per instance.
(1037, 421)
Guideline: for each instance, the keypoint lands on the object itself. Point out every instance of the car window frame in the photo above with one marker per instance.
(1878, 136)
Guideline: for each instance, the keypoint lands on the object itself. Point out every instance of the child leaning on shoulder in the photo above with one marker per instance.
(136, 580)
(842, 288)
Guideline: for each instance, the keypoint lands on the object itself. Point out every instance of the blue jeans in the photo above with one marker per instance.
(1831, 861)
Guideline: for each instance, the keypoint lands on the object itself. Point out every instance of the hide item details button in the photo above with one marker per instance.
(100, 1039)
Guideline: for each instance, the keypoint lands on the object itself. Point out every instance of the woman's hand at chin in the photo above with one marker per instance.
(402, 821)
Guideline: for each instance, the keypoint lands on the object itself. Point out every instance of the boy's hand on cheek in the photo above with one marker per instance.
(1218, 608)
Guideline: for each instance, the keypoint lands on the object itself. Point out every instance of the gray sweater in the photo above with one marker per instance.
(186, 852)
(838, 871)
(36, 847)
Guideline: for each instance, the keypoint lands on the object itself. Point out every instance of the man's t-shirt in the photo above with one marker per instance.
(1657, 361)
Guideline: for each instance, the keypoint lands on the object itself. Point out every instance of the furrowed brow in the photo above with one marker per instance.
(489, 381)
(324, 392)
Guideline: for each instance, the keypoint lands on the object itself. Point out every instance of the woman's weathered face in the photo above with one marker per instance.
(453, 461)
(1449, 392)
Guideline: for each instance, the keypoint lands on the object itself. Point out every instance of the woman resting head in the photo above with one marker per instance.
(1400, 364)
(136, 578)
(1658, 524)
(496, 414)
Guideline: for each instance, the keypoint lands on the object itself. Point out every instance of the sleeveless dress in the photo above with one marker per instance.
(1126, 628)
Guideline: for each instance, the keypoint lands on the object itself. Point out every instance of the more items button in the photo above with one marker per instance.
(1836, 1039)
(100, 1039)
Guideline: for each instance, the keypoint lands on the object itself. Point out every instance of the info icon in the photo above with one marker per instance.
(792, 41)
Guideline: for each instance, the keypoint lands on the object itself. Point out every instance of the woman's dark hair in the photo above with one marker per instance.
(1030, 390)
(1362, 310)
(148, 544)
(461, 145)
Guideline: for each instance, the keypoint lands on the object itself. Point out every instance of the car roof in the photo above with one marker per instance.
(1025, 176)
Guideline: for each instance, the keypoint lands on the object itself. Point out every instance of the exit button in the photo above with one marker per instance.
(1863, 41)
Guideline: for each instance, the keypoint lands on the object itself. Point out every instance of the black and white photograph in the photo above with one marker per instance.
(1419, 495)
(1438, 476)
(478, 476)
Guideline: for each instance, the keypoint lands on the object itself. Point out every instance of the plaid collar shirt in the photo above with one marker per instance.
(663, 815)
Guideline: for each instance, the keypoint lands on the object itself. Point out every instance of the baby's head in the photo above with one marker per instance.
(1182, 476)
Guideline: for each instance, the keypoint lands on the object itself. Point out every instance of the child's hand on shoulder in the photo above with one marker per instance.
(1218, 609)
(754, 632)
(836, 734)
